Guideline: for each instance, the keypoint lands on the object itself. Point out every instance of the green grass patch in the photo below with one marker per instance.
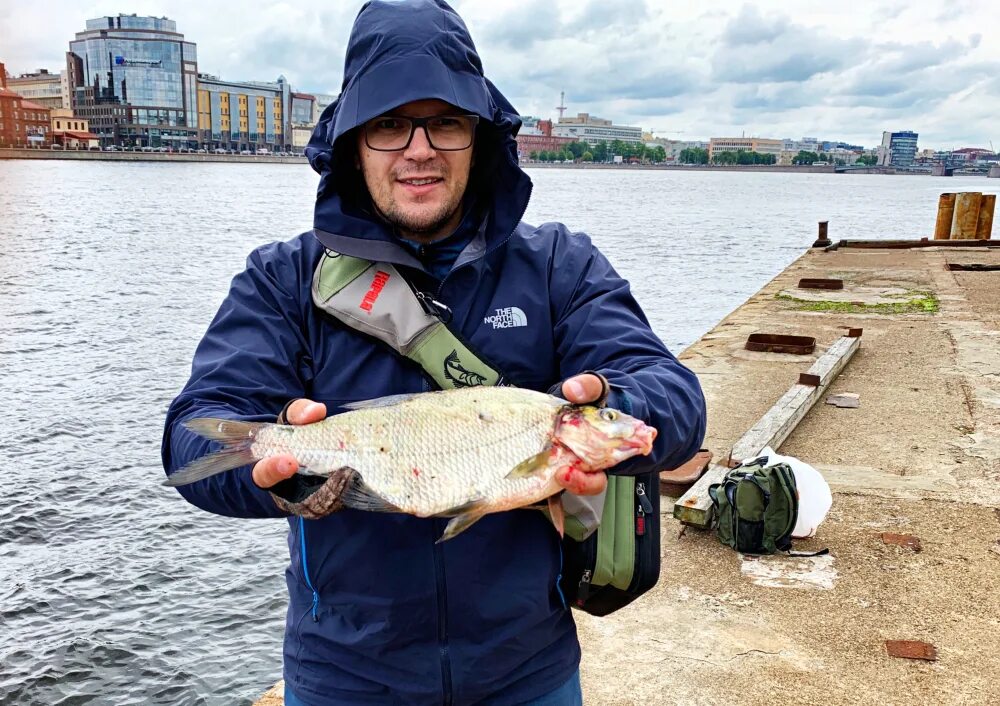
(915, 303)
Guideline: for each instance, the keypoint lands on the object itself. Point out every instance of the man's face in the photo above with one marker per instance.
(418, 189)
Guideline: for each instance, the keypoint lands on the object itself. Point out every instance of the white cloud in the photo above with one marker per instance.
(765, 67)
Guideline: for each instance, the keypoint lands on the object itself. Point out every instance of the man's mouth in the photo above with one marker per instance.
(422, 181)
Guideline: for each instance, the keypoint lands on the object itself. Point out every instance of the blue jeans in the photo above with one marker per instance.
(569, 694)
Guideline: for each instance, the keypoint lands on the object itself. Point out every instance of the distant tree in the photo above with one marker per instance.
(805, 157)
(533, 155)
(577, 149)
(868, 160)
(693, 155)
(587, 157)
(567, 155)
(600, 151)
(544, 156)
(618, 147)
(657, 154)
(725, 158)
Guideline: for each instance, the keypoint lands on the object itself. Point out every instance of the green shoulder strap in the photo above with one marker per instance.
(375, 299)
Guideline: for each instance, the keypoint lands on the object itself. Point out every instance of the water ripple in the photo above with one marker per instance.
(112, 589)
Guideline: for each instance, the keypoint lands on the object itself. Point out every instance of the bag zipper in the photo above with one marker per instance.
(643, 507)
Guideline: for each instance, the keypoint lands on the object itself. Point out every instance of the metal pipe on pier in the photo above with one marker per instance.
(946, 212)
(984, 226)
(966, 219)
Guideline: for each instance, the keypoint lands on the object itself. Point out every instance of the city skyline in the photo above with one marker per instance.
(743, 68)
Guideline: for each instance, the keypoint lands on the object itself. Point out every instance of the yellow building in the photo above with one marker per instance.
(760, 145)
(243, 116)
(71, 131)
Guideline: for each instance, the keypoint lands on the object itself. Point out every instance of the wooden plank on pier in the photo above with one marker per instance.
(695, 506)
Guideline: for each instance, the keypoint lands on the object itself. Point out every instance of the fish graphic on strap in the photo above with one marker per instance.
(458, 375)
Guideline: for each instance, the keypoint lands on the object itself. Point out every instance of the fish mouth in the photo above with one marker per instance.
(642, 440)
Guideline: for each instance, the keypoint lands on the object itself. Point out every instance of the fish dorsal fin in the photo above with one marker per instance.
(360, 496)
(531, 466)
(388, 401)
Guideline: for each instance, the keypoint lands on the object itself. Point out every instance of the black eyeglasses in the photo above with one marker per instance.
(390, 133)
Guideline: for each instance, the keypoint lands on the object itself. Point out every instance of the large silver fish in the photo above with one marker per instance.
(459, 453)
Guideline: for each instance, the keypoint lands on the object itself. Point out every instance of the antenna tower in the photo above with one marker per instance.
(562, 104)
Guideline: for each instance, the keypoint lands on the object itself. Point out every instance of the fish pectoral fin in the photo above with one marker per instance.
(531, 466)
(474, 504)
(460, 523)
(360, 496)
(377, 402)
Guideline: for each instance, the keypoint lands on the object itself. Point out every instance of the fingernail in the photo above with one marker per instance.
(574, 389)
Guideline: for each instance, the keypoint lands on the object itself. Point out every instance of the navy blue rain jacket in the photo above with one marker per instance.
(378, 612)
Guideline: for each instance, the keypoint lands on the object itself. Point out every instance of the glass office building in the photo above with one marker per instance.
(302, 108)
(136, 80)
(898, 149)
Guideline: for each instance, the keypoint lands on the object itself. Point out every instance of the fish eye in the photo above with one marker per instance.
(608, 415)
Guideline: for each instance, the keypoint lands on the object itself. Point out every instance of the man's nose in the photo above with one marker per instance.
(420, 145)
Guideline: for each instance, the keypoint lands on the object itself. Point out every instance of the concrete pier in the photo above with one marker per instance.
(95, 156)
(919, 457)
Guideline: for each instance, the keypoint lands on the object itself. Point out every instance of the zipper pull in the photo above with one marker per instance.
(583, 588)
(644, 501)
(433, 307)
(643, 508)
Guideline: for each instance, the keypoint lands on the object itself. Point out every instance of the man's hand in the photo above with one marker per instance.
(581, 389)
(269, 471)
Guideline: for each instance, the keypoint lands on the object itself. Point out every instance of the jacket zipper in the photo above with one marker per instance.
(437, 527)
(305, 570)
(517, 222)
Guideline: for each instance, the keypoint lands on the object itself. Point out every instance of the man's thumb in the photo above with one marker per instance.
(270, 471)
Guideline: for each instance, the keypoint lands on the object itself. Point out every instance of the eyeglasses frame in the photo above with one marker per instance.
(422, 122)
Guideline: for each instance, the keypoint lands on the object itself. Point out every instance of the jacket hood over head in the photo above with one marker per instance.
(402, 51)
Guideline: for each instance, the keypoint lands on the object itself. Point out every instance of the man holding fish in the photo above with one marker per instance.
(420, 200)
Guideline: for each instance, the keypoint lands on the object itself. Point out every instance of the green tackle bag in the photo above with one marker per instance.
(621, 560)
(756, 507)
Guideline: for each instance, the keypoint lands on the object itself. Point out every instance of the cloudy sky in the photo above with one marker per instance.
(686, 70)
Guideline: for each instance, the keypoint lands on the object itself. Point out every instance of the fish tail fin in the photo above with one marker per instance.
(236, 438)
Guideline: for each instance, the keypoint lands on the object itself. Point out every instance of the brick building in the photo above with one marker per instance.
(35, 124)
(540, 140)
(22, 123)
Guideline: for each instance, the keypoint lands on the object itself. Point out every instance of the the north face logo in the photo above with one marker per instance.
(507, 318)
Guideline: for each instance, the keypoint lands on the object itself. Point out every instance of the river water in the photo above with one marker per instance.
(115, 591)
